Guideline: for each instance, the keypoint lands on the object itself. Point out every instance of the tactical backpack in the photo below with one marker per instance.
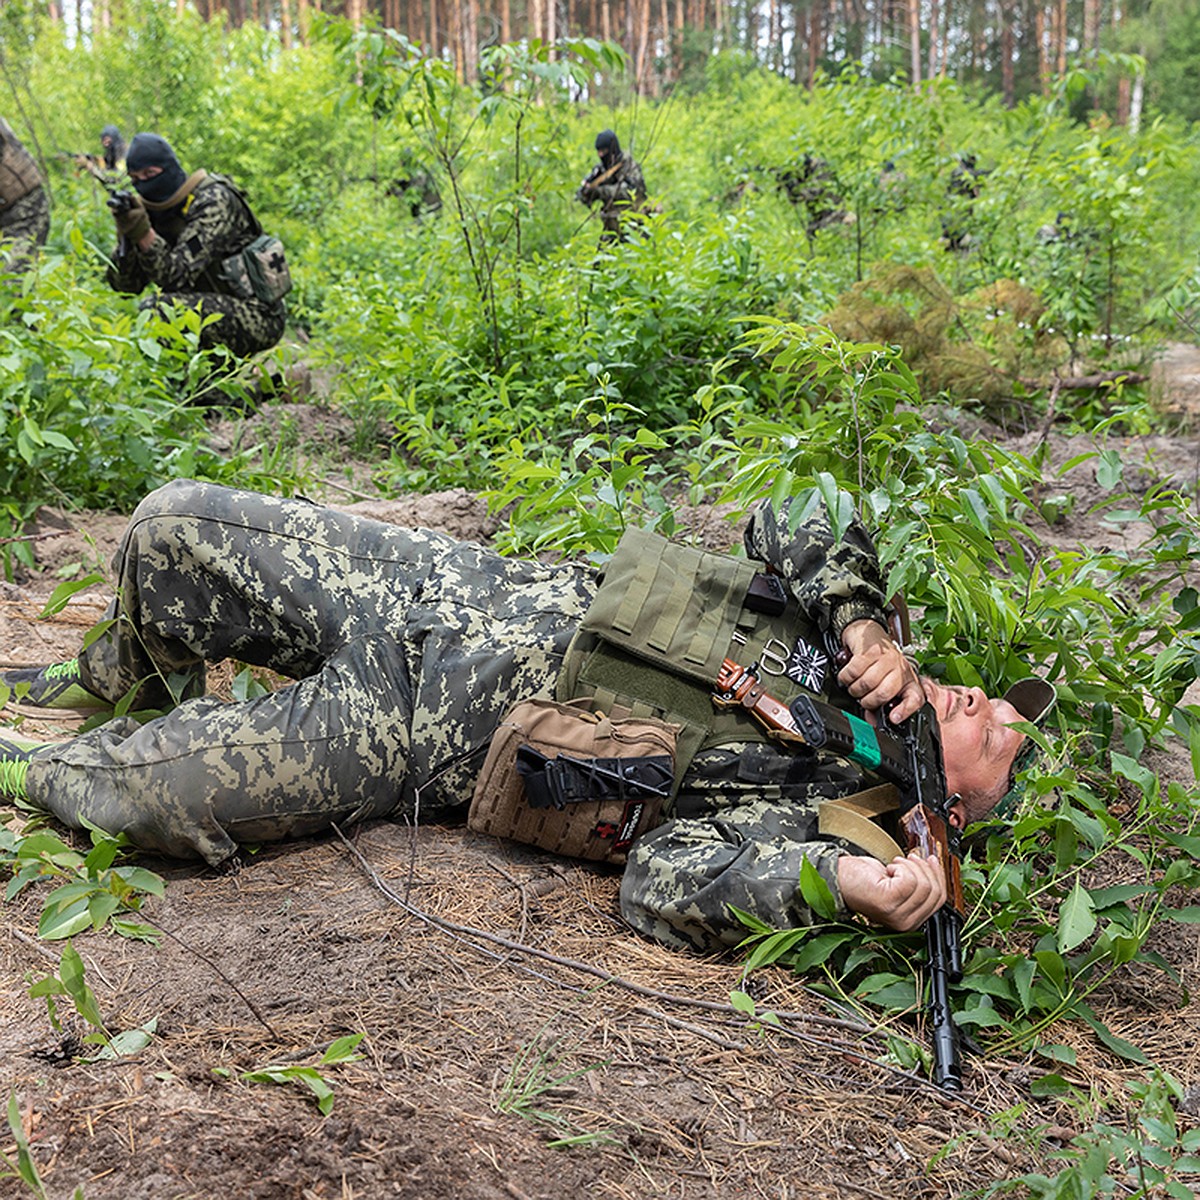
(259, 271)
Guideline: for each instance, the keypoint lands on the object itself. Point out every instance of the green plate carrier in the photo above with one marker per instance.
(654, 638)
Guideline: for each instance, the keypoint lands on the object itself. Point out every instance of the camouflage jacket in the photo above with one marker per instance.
(624, 189)
(194, 241)
(745, 818)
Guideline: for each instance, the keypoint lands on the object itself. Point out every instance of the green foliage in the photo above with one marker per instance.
(537, 1075)
(71, 983)
(25, 1168)
(312, 1078)
(92, 892)
(1149, 1155)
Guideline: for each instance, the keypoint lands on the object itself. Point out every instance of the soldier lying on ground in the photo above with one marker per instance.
(24, 206)
(409, 648)
(180, 231)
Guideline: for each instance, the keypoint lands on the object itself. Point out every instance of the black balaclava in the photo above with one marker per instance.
(607, 145)
(150, 150)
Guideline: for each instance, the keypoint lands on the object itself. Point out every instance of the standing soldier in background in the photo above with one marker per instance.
(616, 182)
(187, 233)
(114, 147)
(962, 191)
(24, 206)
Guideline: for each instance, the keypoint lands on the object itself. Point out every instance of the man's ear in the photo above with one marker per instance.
(958, 815)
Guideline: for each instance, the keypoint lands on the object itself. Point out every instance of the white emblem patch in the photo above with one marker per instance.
(806, 665)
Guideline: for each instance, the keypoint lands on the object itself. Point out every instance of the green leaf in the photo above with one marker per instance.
(1109, 469)
(816, 892)
(1050, 1085)
(1053, 968)
(1188, 915)
(1117, 1045)
(26, 1167)
(64, 592)
(743, 1003)
(1056, 1052)
(1076, 919)
(342, 1050)
(65, 923)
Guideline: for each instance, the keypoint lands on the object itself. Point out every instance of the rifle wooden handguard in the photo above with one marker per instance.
(924, 830)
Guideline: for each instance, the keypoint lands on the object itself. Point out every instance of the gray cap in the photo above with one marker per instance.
(1033, 698)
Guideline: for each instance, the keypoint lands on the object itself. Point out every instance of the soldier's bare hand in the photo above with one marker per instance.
(901, 895)
(878, 672)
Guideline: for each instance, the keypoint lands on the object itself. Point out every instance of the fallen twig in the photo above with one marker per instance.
(468, 932)
(35, 537)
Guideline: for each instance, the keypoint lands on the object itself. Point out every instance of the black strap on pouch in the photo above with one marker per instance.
(557, 782)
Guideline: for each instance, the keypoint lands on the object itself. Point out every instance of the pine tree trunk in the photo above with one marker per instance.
(643, 43)
(914, 41)
(931, 64)
(456, 38)
(1091, 24)
(1007, 80)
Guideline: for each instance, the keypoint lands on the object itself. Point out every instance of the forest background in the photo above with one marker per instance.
(456, 319)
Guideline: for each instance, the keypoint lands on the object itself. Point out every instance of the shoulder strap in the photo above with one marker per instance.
(853, 818)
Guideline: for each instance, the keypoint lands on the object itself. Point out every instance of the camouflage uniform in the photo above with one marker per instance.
(622, 193)
(409, 647)
(24, 206)
(185, 261)
(745, 818)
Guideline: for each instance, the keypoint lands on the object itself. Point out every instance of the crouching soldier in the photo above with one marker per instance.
(192, 236)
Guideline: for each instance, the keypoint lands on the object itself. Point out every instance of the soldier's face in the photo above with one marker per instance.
(144, 173)
(979, 744)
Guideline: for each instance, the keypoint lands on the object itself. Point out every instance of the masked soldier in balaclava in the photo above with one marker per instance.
(186, 233)
(616, 183)
(114, 147)
(24, 206)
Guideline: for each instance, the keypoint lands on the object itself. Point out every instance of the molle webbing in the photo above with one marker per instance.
(663, 621)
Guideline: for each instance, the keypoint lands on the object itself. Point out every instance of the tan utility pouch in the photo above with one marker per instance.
(595, 782)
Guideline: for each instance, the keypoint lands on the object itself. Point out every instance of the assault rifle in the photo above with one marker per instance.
(592, 182)
(908, 756)
(119, 199)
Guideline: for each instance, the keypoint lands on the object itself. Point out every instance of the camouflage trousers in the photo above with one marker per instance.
(245, 326)
(27, 223)
(207, 572)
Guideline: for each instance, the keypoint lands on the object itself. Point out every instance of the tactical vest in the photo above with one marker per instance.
(18, 171)
(664, 619)
(172, 223)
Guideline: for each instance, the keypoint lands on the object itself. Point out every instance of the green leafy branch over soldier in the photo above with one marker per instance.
(411, 652)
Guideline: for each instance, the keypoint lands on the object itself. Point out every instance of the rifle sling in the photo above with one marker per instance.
(852, 818)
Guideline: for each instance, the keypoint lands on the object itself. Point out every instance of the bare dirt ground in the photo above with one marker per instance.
(504, 1007)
